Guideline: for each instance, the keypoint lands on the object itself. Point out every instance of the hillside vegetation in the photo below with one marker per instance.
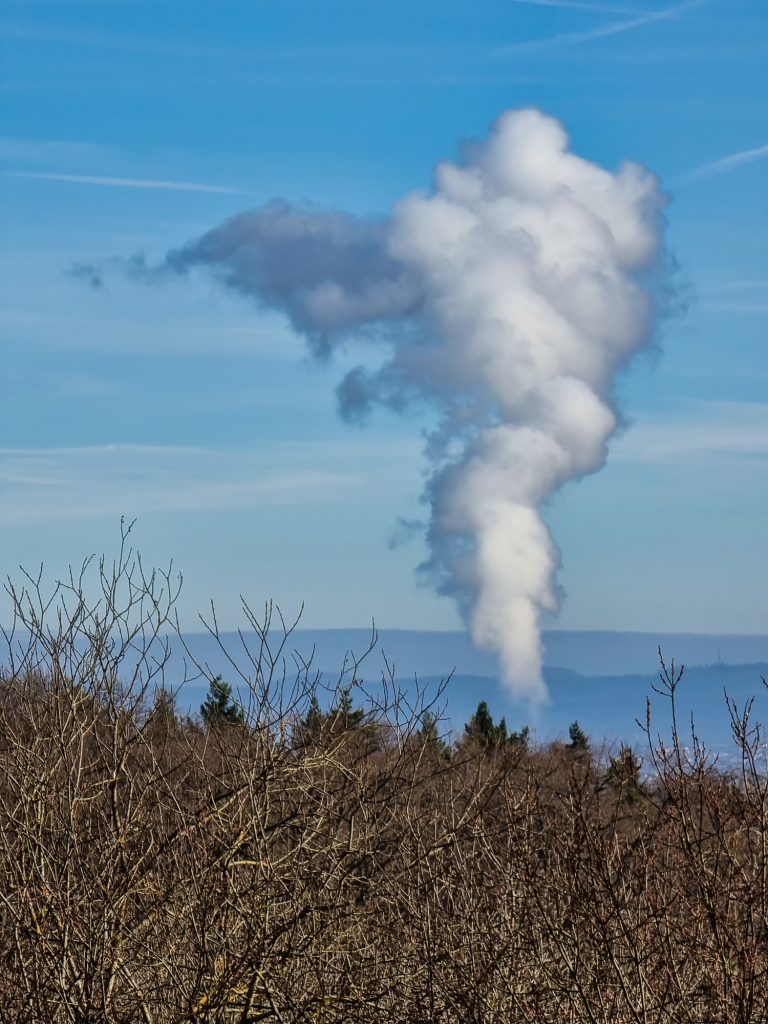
(302, 854)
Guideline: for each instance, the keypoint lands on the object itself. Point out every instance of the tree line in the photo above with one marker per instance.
(220, 708)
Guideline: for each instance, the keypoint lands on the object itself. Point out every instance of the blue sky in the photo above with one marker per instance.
(132, 126)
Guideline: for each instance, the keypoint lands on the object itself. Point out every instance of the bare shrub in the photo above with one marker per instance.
(325, 855)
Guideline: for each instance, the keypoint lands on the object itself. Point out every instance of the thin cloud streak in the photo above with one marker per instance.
(699, 432)
(52, 151)
(35, 33)
(91, 179)
(299, 54)
(735, 307)
(749, 284)
(46, 485)
(574, 5)
(600, 32)
(185, 336)
(727, 163)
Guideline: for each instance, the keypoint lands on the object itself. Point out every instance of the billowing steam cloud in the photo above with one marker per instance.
(507, 298)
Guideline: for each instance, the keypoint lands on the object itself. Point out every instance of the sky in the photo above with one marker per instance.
(134, 127)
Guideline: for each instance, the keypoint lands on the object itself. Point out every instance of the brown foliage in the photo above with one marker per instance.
(152, 870)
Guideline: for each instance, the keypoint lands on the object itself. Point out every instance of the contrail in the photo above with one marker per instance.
(575, 5)
(90, 179)
(727, 163)
(600, 31)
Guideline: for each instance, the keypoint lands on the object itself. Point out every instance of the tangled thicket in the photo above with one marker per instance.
(306, 866)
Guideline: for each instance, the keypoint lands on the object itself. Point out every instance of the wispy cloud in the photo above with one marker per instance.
(183, 335)
(51, 151)
(758, 308)
(600, 31)
(697, 432)
(739, 285)
(362, 53)
(575, 5)
(91, 179)
(39, 33)
(745, 295)
(110, 480)
(726, 163)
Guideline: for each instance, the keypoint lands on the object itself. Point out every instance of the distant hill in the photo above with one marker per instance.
(595, 652)
(600, 678)
(607, 707)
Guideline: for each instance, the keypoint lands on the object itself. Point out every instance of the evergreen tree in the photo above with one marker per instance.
(501, 732)
(428, 730)
(343, 715)
(480, 725)
(624, 770)
(312, 726)
(483, 729)
(219, 707)
(429, 733)
(579, 740)
(314, 718)
(520, 739)
(163, 715)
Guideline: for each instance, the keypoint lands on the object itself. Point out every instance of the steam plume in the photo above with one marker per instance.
(507, 298)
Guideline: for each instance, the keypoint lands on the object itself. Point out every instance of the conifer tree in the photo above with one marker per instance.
(579, 739)
(482, 728)
(343, 715)
(219, 707)
(314, 718)
(163, 714)
(624, 770)
(520, 739)
(430, 734)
